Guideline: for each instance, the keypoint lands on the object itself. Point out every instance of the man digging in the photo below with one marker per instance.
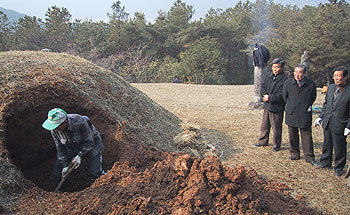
(75, 137)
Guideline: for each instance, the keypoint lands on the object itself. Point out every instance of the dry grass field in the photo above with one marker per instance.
(225, 108)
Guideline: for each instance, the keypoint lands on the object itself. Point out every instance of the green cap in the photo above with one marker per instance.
(54, 119)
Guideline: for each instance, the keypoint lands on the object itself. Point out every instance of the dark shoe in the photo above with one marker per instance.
(293, 158)
(260, 144)
(276, 149)
(327, 166)
(338, 172)
(314, 163)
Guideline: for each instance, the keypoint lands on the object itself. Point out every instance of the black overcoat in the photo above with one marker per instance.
(299, 102)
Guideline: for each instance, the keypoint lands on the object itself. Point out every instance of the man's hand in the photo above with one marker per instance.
(266, 98)
(76, 161)
(346, 131)
(64, 171)
(318, 122)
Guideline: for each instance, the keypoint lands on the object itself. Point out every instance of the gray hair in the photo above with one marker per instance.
(302, 67)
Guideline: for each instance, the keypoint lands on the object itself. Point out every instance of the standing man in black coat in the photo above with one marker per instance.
(273, 105)
(299, 93)
(335, 118)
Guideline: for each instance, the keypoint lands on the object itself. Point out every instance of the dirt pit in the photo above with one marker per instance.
(32, 150)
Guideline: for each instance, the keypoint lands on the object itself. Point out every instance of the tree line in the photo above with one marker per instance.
(215, 49)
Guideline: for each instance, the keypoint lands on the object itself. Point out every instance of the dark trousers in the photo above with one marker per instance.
(274, 121)
(338, 142)
(306, 143)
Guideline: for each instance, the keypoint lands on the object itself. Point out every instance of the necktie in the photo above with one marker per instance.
(336, 93)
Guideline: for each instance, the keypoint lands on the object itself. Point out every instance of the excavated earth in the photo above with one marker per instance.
(145, 172)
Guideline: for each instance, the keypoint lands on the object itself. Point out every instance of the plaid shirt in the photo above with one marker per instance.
(83, 139)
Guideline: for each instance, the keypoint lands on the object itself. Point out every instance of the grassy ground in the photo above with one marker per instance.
(225, 108)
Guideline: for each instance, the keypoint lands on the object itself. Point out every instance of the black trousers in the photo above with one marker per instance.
(306, 142)
(274, 121)
(338, 142)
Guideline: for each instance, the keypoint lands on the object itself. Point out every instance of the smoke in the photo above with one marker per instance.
(262, 26)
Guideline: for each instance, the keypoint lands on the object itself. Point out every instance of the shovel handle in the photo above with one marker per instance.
(71, 167)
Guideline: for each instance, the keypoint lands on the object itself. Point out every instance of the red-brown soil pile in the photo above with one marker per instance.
(168, 184)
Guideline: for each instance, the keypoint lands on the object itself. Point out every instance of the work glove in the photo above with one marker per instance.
(76, 161)
(346, 131)
(64, 171)
(318, 122)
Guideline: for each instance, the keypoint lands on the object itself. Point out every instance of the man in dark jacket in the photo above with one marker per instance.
(299, 93)
(335, 118)
(75, 137)
(273, 105)
(260, 55)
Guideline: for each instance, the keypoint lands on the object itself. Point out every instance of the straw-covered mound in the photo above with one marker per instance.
(32, 83)
(141, 178)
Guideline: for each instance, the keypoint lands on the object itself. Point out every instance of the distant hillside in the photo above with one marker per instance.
(12, 15)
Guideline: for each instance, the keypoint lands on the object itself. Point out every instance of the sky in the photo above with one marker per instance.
(97, 10)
